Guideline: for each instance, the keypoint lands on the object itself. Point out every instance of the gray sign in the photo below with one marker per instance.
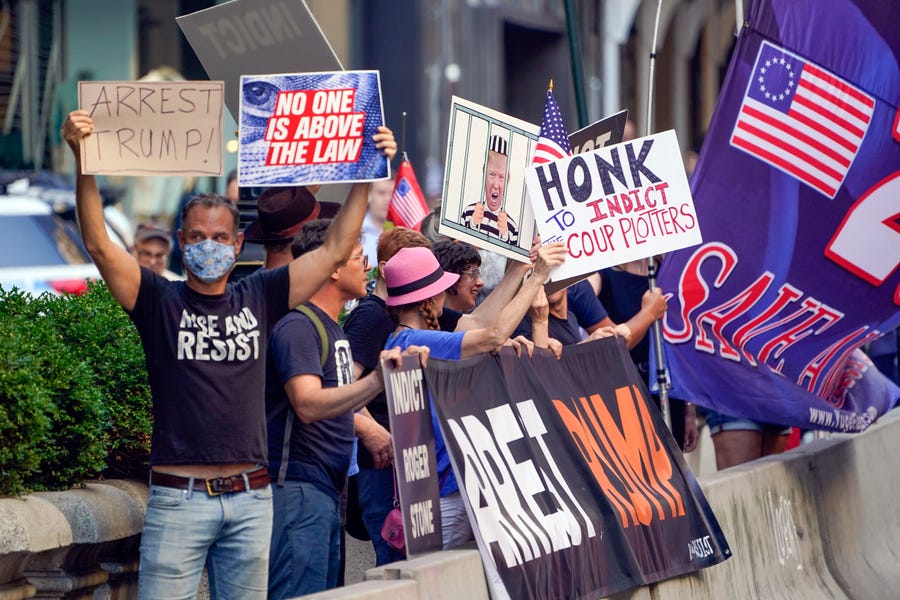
(257, 37)
(415, 462)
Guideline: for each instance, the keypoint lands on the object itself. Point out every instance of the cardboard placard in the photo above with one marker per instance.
(508, 227)
(152, 127)
(256, 36)
(615, 204)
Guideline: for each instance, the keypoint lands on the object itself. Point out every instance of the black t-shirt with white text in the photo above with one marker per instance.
(206, 358)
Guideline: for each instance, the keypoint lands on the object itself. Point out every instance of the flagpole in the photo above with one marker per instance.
(661, 379)
(403, 158)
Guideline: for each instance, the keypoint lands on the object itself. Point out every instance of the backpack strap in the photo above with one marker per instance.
(285, 406)
(320, 328)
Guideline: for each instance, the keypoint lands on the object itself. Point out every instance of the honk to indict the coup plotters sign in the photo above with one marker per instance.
(310, 128)
(615, 204)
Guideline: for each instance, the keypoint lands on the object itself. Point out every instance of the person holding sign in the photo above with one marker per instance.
(416, 286)
(487, 215)
(311, 396)
(205, 340)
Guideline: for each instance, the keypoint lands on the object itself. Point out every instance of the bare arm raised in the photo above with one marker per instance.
(488, 338)
(119, 269)
(310, 270)
(487, 312)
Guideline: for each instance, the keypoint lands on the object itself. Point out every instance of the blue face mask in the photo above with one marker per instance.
(208, 260)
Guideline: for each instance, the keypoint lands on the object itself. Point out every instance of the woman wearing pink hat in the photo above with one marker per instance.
(415, 288)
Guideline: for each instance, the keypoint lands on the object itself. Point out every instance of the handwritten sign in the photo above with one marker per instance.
(153, 127)
(245, 36)
(615, 204)
(415, 462)
(602, 133)
(310, 128)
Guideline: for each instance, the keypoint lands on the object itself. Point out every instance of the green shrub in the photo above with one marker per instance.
(73, 393)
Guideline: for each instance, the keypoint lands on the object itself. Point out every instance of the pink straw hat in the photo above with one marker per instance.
(413, 275)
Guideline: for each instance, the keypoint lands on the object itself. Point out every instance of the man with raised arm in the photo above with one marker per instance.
(205, 342)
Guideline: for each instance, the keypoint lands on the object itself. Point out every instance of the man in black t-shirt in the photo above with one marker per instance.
(311, 396)
(205, 343)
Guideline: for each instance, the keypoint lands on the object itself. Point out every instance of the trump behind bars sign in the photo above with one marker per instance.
(310, 128)
(614, 204)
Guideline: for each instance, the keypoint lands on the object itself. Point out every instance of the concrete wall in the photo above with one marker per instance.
(818, 522)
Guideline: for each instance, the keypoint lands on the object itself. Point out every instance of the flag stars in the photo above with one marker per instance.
(765, 69)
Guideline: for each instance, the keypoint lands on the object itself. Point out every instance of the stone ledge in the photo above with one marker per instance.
(55, 543)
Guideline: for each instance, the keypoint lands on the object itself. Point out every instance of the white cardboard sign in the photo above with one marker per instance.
(152, 127)
(615, 204)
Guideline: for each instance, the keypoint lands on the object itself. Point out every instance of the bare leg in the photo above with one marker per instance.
(773, 443)
(736, 447)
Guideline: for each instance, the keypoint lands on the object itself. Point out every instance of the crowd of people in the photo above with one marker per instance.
(268, 395)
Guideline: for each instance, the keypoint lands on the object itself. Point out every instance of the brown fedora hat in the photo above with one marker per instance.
(282, 211)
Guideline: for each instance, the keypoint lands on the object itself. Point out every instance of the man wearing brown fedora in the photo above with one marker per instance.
(210, 502)
(282, 212)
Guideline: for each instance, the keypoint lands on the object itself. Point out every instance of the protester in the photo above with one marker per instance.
(416, 287)
(430, 225)
(486, 215)
(232, 191)
(281, 212)
(152, 245)
(376, 217)
(367, 328)
(205, 339)
(311, 396)
(464, 260)
(624, 290)
(739, 440)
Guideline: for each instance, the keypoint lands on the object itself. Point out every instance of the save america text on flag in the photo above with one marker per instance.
(802, 119)
(767, 317)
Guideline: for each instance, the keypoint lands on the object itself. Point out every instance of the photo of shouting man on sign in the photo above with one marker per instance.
(487, 214)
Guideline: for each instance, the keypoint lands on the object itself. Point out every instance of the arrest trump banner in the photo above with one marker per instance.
(797, 193)
(574, 486)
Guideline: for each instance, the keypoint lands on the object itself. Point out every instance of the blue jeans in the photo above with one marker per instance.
(455, 527)
(187, 530)
(376, 499)
(306, 541)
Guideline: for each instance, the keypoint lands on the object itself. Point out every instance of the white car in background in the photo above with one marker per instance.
(39, 251)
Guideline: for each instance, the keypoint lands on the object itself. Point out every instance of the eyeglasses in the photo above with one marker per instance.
(474, 272)
(363, 258)
(154, 256)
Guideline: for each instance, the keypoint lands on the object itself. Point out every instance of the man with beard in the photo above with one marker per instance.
(205, 340)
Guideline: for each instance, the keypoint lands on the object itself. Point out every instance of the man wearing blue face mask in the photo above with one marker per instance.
(205, 342)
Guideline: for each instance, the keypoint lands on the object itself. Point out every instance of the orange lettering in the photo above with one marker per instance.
(587, 445)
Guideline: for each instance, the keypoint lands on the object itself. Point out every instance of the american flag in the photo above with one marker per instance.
(801, 119)
(553, 142)
(408, 206)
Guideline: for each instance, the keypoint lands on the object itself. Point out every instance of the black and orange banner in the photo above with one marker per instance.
(574, 485)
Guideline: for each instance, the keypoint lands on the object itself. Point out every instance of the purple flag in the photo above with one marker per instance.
(797, 193)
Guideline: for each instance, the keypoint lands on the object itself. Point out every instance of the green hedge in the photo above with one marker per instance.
(74, 397)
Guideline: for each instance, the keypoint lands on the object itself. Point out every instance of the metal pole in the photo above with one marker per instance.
(661, 378)
(577, 69)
